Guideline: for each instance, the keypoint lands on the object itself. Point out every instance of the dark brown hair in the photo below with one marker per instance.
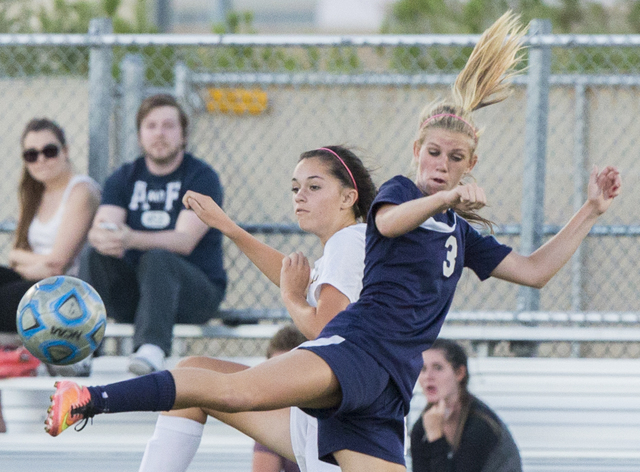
(366, 188)
(30, 190)
(162, 100)
(287, 338)
(455, 355)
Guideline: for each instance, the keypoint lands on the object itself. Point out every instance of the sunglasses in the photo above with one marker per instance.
(49, 151)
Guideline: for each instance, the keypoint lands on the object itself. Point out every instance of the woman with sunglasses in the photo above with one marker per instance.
(56, 210)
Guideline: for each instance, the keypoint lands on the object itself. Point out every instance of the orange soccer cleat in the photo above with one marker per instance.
(71, 403)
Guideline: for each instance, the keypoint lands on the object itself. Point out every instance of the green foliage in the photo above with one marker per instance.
(477, 14)
(235, 58)
(417, 59)
(67, 16)
(570, 15)
(110, 7)
(474, 16)
(74, 17)
(236, 23)
(12, 19)
(634, 17)
(431, 13)
(268, 59)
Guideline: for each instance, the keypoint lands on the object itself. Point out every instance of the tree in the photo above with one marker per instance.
(69, 17)
(73, 17)
(12, 18)
(634, 17)
(423, 16)
(474, 16)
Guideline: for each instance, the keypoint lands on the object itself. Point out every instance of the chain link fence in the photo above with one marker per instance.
(257, 102)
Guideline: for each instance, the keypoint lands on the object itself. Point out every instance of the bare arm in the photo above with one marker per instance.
(538, 268)
(294, 285)
(102, 239)
(182, 240)
(395, 220)
(267, 259)
(80, 207)
(114, 241)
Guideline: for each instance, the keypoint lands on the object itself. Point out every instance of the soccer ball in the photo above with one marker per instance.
(61, 320)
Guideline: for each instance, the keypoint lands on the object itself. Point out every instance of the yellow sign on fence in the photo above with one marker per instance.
(237, 100)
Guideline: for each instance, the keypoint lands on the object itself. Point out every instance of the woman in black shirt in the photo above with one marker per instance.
(457, 432)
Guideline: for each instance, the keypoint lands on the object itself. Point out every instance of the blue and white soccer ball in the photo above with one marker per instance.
(61, 320)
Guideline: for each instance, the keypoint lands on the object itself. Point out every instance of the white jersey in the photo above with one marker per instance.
(342, 266)
(42, 236)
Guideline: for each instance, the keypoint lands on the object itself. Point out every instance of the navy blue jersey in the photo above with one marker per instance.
(409, 283)
(154, 202)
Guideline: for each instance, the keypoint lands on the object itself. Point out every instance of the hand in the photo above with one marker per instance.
(35, 271)
(603, 187)
(466, 197)
(29, 265)
(109, 241)
(13, 258)
(433, 420)
(208, 211)
(20, 259)
(294, 275)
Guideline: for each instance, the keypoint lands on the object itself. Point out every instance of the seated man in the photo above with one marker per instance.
(152, 261)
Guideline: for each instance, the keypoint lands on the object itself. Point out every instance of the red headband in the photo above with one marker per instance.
(441, 115)
(343, 163)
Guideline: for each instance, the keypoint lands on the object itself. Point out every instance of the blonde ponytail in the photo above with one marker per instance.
(483, 82)
(484, 79)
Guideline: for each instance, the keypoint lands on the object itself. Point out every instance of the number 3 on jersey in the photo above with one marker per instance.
(449, 265)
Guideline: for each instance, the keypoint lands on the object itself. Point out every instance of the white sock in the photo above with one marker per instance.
(173, 445)
(153, 354)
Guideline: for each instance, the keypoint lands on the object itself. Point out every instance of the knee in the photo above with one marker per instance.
(233, 396)
(237, 401)
(156, 262)
(156, 257)
(192, 361)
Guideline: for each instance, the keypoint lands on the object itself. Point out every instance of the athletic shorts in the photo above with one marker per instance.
(370, 417)
(304, 440)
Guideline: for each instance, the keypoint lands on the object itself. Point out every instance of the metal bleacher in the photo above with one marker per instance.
(567, 415)
(112, 442)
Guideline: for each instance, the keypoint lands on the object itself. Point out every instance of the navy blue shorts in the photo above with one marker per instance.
(370, 418)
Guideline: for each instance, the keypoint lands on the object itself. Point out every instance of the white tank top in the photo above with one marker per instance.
(41, 235)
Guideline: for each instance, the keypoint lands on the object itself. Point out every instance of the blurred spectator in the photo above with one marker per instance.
(153, 262)
(56, 210)
(457, 432)
(264, 459)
